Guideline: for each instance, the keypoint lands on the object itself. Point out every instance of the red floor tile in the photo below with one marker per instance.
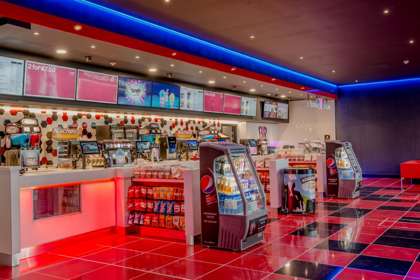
(355, 274)
(232, 273)
(81, 249)
(260, 262)
(408, 226)
(354, 237)
(299, 241)
(110, 273)
(215, 256)
(178, 250)
(414, 271)
(144, 245)
(328, 257)
(390, 252)
(36, 276)
(154, 276)
(275, 276)
(111, 255)
(187, 268)
(146, 261)
(71, 268)
(279, 250)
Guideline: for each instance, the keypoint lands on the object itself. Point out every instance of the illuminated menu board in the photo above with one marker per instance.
(248, 106)
(232, 104)
(50, 81)
(11, 76)
(213, 102)
(276, 110)
(97, 87)
(191, 99)
(134, 92)
(165, 96)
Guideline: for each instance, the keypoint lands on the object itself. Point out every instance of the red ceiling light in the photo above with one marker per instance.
(77, 27)
(232, 69)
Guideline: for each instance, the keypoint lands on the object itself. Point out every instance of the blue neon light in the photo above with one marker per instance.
(103, 17)
(383, 84)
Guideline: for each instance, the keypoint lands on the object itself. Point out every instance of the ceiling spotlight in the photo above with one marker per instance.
(112, 63)
(252, 37)
(211, 82)
(232, 69)
(356, 81)
(411, 41)
(36, 33)
(200, 72)
(224, 77)
(406, 61)
(244, 82)
(77, 27)
(167, 1)
(289, 91)
(268, 94)
(283, 96)
(137, 57)
(172, 65)
(152, 70)
(252, 90)
(61, 51)
(170, 75)
(261, 85)
(273, 79)
(301, 57)
(386, 11)
(333, 71)
(92, 46)
(302, 88)
(174, 54)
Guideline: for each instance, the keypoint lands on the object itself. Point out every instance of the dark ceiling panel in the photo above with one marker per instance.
(354, 38)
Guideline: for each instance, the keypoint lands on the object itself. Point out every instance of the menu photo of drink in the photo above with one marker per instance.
(97, 87)
(165, 96)
(232, 104)
(49, 81)
(213, 102)
(191, 99)
(11, 76)
(248, 106)
(132, 91)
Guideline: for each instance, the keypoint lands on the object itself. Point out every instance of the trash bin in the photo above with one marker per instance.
(299, 191)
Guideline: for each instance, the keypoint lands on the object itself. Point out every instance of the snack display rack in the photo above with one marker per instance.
(161, 201)
(264, 175)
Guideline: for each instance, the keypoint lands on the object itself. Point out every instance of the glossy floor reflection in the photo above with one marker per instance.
(376, 236)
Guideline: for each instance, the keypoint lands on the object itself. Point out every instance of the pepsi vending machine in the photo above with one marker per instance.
(233, 209)
(344, 174)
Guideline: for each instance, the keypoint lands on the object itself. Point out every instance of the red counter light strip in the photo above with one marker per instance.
(28, 15)
(73, 183)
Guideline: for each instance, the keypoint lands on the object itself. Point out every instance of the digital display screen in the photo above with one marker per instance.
(97, 87)
(148, 138)
(165, 96)
(213, 102)
(192, 144)
(11, 76)
(134, 92)
(50, 81)
(142, 146)
(276, 110)
(248, 106)
(89, 147)
(232, 104)
(191, 99)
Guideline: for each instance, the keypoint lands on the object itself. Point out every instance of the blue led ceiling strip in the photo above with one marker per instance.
(381, 84)
(93, 14)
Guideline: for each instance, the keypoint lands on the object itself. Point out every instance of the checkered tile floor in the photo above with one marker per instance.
(376, 236)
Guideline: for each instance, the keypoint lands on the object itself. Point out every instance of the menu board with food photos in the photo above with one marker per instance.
(248, 106)
(136, 92)
(97, 87)
(165, 96)
(231, 104)
(11, 76)
(191, 99)
(50, 81)
(213, 102)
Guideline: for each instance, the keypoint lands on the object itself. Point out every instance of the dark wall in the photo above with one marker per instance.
(383, 124)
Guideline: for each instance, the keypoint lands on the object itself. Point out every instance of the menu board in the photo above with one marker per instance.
(276, 110)
(97, 87)
(50, 81)
(11, 76)
(283, 111)
(134, 92)
(165, 96)
(191, 99)
(213, 102)
(232, 104)
(249, 106)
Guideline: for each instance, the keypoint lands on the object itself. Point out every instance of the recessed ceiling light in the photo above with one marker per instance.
(301, 57)
(152, 70)
(411, 41)
(232, 69)
(36, 33)
(333, 71)
(283, 96)
(211, 82)
(112, 63)
(406, 61)
(252, 37)
(167, 1)
(77, 27)
(289, 91)
(273, 79)
(200, 72)
(244, 82)
(261, 85)
(356, 81)
(92, 46)
(137, 57)
(174, 54)
(172, 65)
(268, 94)
(302, 88)
(60, 51)
(224, 77)
(252, 90)
(386, 11)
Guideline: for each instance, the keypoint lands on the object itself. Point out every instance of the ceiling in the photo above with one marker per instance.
(45, 41)
(337, 40)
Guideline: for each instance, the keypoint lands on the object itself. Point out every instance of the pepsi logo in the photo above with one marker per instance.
(206, 184)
